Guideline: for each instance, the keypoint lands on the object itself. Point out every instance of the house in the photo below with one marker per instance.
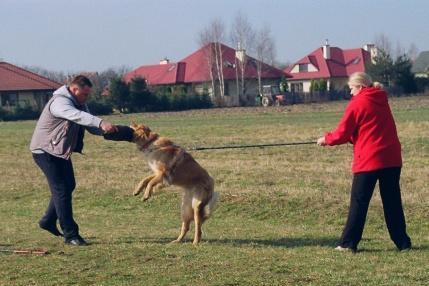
(332, 65)
(22, 87)
(198, 74)
(420, 66)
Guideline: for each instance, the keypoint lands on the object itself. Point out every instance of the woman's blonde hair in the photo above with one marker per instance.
(360, 79)
(378, 84)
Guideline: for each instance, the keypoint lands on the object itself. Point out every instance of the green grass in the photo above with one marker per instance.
(280, 213)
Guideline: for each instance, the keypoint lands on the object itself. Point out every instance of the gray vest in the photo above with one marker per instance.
(56, 136)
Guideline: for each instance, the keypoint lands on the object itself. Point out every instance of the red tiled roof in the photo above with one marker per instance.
(159, 74)
(342, 63)
(13, 78)
(194, 68)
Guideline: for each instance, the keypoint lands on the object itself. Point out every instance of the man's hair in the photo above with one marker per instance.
(81, 81)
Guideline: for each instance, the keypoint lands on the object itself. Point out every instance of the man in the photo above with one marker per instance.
(58, 133)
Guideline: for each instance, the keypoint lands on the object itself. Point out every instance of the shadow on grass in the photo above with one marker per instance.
(280, 242)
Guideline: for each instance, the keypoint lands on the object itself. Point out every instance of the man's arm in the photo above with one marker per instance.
(63, 107)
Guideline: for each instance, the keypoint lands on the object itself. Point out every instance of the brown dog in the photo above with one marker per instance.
(172, 165)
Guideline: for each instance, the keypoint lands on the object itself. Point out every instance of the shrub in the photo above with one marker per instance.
(100, 107)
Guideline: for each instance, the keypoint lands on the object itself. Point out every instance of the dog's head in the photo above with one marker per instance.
(142, 134)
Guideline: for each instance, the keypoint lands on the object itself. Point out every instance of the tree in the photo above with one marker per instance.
(265, 52)
(140, 98)
(391, 72)
(403, 77)
(382, 42)
(243, 38)
(382, 69)
(212, 37)
(119, 94)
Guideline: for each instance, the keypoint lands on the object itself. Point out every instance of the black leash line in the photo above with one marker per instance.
(251, 146)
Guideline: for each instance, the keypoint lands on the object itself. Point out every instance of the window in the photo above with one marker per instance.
(303, 67)
(226, 88)
(297, 87)
(9, 99)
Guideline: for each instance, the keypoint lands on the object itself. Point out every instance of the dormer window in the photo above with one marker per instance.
(303, 67)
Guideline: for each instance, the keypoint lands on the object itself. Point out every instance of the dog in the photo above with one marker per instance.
(172, 165)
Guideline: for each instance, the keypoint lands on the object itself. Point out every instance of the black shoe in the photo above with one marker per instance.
(50, 228)
(76, 241)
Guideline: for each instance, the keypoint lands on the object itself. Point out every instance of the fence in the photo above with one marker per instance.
(315, 96)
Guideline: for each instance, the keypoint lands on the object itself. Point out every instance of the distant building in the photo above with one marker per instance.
(331, 64)
(421, 65)
(22, 87)
(193, 72)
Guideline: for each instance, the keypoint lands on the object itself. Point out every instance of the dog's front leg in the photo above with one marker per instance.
(157, 179)
(143, 183)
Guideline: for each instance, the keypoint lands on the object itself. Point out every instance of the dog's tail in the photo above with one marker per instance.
(211, 205)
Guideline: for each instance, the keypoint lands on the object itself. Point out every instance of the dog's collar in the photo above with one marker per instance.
(148, 143)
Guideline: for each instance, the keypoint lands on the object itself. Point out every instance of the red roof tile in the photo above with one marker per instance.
(342, 63)
(13, 78)
(194, 68)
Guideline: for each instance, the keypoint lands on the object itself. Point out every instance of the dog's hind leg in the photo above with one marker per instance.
(198, 220)
(187, 216)
(143, 183)
(183, 231)
(157, 179)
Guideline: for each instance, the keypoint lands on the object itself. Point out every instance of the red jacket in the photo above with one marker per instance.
(368, 124)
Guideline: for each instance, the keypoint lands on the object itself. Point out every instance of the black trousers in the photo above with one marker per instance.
(60, 176)
(362, 189)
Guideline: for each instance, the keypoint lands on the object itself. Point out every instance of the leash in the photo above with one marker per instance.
(252, 146)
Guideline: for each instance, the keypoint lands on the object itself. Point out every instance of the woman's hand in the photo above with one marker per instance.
(321, 141)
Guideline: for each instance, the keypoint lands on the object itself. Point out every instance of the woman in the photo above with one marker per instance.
(368, 124)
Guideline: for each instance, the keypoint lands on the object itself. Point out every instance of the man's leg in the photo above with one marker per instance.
(59, 173)
(362, 189)
(390, 192)
(49, 220)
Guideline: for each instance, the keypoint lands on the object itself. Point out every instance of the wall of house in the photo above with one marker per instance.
(231, 93)
(333, 84)
(338, 83)
(299, 85)
(35, 99)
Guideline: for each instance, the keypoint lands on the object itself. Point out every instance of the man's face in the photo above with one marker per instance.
(80, 93)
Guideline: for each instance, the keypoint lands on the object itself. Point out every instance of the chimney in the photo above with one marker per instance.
(164, 61)
(326, 50)
(373, 51)
(240, 53)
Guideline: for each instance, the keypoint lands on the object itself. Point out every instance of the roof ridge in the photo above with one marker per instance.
(22, 72)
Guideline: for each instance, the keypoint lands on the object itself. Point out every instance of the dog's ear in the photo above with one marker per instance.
(133, 125)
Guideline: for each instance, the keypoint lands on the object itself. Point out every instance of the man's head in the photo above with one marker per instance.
(80, 87)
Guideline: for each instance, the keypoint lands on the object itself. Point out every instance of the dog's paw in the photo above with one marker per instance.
(145, 198)
(175, 241)
(136, 193)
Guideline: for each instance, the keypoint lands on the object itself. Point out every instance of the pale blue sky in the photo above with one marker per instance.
(89, 35)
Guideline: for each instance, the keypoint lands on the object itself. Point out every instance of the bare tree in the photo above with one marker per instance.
(382, 42)
(212, 36)
(413, 52)
(242, 37)
(265, 52)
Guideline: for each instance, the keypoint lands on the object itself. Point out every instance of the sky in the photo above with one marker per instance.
(93, 35)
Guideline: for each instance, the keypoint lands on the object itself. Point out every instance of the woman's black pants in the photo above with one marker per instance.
(362, 189)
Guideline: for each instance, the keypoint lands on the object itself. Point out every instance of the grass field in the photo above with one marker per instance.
(280, 213)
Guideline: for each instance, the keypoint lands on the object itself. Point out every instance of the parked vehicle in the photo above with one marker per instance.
(271, 95)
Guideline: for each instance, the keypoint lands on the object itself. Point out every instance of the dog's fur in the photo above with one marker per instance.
(172, 165)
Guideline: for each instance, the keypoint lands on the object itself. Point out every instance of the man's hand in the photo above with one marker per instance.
(321, 141)
(108, 127)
